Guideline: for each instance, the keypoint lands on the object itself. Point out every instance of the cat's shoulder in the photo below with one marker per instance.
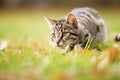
(84, 9)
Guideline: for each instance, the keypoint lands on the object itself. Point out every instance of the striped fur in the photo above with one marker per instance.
(77, 27)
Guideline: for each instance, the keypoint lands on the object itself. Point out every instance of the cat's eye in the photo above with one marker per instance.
(64, 34)
(73, 38)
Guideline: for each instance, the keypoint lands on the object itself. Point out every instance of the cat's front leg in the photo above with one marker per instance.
(65, 50)
(86, 41)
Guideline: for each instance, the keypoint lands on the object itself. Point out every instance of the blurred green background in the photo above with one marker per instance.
(25, 17)
(25, 35)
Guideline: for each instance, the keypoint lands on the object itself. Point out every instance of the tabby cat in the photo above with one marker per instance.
(77, 28)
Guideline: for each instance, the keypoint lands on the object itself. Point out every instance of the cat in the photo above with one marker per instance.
(77, 28)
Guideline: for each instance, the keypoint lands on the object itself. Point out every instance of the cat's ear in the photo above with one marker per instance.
(50, 22)
(71, 19)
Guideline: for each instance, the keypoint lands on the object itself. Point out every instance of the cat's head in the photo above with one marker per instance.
(63, 32)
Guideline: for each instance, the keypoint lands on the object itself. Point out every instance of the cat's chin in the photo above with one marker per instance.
(61, 46)
(55, 45)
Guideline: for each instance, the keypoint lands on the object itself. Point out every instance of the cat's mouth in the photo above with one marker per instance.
(62, 46)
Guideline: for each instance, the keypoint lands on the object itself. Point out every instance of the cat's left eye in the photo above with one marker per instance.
(64, 34)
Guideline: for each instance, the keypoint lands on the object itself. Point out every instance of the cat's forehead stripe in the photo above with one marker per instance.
(59, 24)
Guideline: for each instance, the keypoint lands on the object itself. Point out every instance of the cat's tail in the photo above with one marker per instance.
(117, 37)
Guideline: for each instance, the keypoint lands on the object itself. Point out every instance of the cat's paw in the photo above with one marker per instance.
(78, 49)
(67, 49)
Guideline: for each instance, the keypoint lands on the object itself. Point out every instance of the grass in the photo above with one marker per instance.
(28, 55)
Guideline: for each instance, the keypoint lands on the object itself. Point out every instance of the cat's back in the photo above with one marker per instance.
(85, 11)
(92, 21)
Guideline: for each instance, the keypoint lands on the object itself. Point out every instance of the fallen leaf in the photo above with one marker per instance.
(102, 63)
(113, 52)
(3, 45)
(36, 53)
(79, 50)
(19, 50)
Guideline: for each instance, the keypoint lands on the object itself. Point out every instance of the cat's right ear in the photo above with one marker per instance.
(50, 22)
(72, 19)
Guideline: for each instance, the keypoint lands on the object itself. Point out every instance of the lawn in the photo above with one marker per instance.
(26, 54)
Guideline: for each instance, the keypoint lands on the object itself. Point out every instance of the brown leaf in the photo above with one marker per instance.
(19, 50)
(113, 52)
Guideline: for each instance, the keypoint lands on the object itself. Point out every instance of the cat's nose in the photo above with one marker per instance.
(58, 41)
(56, 44)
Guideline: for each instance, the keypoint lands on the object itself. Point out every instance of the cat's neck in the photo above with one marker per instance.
(82, 31)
